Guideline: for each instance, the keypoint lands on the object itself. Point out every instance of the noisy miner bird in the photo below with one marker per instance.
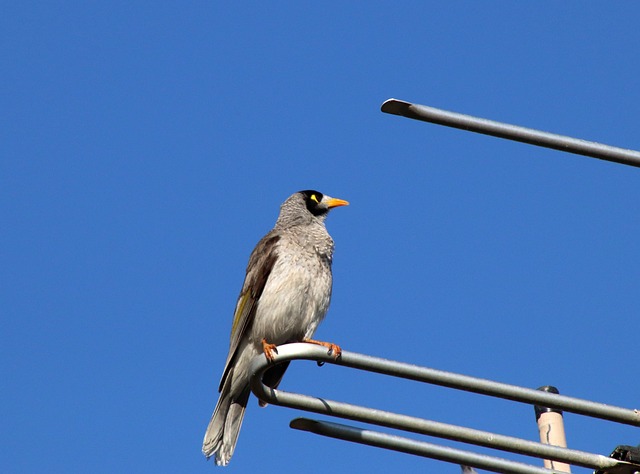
(285, 296)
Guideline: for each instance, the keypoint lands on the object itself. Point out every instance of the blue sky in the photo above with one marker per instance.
(147, 147)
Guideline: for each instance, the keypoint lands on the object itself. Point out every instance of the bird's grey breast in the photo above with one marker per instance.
(298, 292)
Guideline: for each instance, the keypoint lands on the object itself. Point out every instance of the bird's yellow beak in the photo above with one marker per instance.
(335, 202)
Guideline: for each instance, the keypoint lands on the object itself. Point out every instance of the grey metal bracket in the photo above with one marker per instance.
(301, 351)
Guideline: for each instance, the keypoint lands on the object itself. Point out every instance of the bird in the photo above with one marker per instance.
(284, 297)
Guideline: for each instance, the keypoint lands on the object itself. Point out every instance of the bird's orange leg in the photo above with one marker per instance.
(270, 350)
(333, 348)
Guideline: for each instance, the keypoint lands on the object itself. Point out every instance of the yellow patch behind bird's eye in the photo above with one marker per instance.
(314, 198)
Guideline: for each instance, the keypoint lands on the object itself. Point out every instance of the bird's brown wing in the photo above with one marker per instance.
(261, 262)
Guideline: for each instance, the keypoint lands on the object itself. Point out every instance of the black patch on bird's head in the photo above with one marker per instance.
(312, 200)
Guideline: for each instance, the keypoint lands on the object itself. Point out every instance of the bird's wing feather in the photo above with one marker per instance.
(261, 262)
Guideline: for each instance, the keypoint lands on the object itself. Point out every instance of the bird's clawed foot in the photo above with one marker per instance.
(270, 350)
(334, 349)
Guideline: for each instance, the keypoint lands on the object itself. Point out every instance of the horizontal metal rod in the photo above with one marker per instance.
(418, 448)
(364, 362)
(512, 132)
(422, 426)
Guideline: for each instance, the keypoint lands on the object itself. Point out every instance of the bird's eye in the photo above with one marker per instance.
(313, 197)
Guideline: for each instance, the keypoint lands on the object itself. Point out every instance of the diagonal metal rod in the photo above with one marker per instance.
(418, 448)
(512, 132)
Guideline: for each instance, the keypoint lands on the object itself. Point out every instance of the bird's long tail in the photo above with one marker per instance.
(222, 433)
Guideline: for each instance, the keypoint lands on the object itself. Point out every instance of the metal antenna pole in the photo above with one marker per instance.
(512, 132)
(551, 429)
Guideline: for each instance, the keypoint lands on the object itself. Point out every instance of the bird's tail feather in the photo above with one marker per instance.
(222, 433)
